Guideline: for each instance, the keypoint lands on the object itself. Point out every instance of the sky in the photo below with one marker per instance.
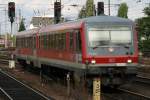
(30, 8)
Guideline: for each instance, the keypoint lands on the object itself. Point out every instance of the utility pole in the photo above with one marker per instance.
(5, 19)
(19, 18)
(109, 7)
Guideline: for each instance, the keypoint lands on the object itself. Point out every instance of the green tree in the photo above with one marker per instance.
(147, 10)
(82, 13)
(143, 28)
(123, 10)
(88, 10)
(22, 26)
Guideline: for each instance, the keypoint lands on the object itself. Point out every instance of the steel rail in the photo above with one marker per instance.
(5, 93)
(25, 85)
(134, 93)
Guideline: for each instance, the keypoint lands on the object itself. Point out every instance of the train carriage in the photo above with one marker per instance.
(102, 46)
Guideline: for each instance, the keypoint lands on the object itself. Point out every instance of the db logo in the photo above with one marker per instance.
(111, 60)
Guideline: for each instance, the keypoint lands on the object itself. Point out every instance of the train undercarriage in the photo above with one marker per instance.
(109, 76)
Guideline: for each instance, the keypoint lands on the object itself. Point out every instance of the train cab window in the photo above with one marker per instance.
(71, 41)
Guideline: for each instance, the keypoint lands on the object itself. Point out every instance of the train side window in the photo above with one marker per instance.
(21, 42)
(78, 42)
(48, 44)
(57, 41)
(45, 41)
(17, 42)
(61, 42)
(42, 46)
(39, 41)
(50, 41)
(47, 38)
(71, 41)
(32, 39)
(64, 40)
(53, 40)
(30, 42)
(34, 42)
(26, 42)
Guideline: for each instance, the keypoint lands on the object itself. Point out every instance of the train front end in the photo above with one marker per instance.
(111, 49)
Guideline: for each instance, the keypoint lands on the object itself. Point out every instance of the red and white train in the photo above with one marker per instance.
(102, 46)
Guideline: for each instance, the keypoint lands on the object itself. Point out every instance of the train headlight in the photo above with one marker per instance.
(93, 61)
(129, 61)
(111, 49)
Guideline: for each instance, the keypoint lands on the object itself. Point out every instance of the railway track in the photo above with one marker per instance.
(138, 89)
(132, 95)
(12, 89)
(124, 94)
(142, 79)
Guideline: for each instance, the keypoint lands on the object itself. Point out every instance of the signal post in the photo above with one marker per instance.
(11, 15)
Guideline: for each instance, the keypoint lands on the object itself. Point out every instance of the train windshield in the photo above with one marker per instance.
(102, 36)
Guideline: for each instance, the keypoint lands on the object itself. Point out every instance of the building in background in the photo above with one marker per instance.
(39, 21)
(6, 41)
